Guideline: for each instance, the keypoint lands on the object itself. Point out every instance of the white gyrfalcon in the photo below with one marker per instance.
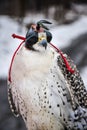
(44, 85)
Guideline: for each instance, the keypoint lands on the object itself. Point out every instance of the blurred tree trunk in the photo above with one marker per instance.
(61, 9)
(14, 7)
(22, 7)
(17, 7)
(46, 5)
(39, 5)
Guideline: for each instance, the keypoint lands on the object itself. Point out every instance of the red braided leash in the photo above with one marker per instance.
(65, 60)
(58, 50)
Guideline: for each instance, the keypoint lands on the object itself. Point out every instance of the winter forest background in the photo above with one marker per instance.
(69, 29)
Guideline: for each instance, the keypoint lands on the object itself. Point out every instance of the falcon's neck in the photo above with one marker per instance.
(33, 63)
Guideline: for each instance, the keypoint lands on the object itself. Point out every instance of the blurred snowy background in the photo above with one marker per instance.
(69, 31)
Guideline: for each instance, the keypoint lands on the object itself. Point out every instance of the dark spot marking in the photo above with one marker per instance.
(45, 96)
(56, 82)
(47, 102)
(58, 86)
(52, 127)
(58, 105)
(52, 113)
(44, 93)
(44, 101)
(64, 94)
(50, 106)
(25, 118)
(44, 106)
(58, 91)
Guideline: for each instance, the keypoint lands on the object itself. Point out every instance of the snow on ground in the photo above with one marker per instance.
(62, 35)
(7, 44)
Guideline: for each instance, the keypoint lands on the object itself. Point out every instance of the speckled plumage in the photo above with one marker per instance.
(44, 93)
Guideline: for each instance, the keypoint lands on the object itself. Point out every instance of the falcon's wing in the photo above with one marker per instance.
(77, 89)
(13, 100)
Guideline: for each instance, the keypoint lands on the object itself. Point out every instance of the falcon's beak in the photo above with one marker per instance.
(43, 43)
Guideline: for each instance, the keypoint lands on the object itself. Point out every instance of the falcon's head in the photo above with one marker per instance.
(38, 36)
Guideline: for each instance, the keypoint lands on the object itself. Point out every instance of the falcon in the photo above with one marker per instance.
(44, 85)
